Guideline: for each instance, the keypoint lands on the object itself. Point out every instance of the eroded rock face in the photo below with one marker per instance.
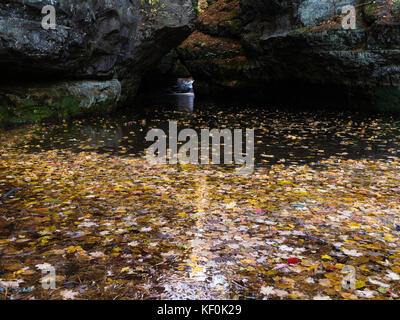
(94, 39)
(57, 100)
(300, 42)
(319, 49)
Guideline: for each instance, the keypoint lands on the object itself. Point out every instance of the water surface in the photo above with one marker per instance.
(282, 135)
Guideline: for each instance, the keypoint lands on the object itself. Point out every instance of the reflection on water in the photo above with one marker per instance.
(201, 279)
(287, 136)
(177, 95)
(201, 232)
(183, 101)
(281, 135)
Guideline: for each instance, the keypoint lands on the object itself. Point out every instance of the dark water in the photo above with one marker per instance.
(282, 135)
(211, 230)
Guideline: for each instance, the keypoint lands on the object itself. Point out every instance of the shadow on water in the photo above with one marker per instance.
(282, 134)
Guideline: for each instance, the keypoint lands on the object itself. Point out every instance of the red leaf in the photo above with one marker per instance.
(292, 261)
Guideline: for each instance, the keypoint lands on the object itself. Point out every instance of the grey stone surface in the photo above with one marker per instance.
(94, 39)
(290, 41)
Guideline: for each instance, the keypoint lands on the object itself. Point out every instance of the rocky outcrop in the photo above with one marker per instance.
(279, 46)
(57, 100)
(114, 41)
(213, 53)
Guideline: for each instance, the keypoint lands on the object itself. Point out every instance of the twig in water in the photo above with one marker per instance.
(8, 194)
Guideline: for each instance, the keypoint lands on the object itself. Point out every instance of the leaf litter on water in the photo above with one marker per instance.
(116, 228)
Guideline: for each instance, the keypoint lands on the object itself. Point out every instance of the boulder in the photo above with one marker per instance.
(289, 47)
(58, 100)
(95, 40)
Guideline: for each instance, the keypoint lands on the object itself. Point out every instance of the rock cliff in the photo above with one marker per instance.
(277, 46)
(99, 49)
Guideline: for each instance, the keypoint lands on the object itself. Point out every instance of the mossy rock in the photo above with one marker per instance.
(300, 31)
(383, 99)
(31, 111)
(370, 13)
(179, 70)
(36, 103)
(395, 9)
(387, 99)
